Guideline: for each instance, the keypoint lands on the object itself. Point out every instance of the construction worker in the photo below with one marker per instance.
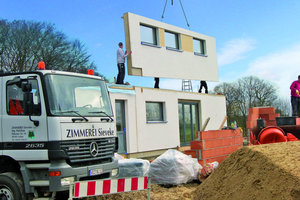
(121, 63)
(203, 84)
(295, 97)
(156, 85)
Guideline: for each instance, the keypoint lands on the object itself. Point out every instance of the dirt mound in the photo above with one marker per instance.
(180, 192)
(258, 172)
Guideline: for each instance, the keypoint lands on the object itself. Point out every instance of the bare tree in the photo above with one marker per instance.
(227, 89)
(283, 106)
(245, 93)
(24, 43)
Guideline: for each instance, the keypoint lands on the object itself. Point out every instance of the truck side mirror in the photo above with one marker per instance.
(27, 98)
(28, 101)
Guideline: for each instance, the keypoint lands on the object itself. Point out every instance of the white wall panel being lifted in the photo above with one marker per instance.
(162, 50)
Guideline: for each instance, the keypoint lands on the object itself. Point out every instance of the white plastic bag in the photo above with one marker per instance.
(173, 168)
(133, 167)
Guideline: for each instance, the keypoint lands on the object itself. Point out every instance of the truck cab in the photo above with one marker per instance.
(55, 128)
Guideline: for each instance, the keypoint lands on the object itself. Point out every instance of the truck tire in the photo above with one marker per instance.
(11, 187)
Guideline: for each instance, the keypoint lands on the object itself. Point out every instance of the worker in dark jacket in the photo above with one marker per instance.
(295, 97)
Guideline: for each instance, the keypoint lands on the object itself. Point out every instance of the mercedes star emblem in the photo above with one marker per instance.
(94, 149)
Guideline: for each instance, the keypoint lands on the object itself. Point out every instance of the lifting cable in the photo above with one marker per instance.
(162, 16)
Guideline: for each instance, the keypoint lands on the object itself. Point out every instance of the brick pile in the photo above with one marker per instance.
(215, 145)
(298, 121)
(266, 113)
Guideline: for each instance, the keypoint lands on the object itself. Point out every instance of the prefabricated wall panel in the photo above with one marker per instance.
(159, 61)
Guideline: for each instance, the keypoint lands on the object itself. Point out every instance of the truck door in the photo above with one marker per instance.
(24, 133)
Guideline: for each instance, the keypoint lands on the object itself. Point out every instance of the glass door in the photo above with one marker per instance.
(188, 122)
(120, 126)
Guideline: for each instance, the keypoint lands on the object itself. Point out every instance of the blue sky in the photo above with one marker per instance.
(257, 37)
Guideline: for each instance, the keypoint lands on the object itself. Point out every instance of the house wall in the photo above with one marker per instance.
(143, 136)
(158, 61)
(130, 118)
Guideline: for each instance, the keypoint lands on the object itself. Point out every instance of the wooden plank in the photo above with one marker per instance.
(205, 124)
(223, 122)
(121, 88)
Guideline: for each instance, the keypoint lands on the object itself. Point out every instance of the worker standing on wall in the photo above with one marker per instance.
(121, 63)
(203, 84)
(295, 97)
(156, 85)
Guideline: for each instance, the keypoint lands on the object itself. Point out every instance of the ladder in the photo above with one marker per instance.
(187, 85)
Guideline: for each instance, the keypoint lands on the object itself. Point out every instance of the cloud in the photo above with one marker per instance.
(281, 67)
(235, 50)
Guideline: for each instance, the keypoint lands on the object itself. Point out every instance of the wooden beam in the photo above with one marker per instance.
(223, 122)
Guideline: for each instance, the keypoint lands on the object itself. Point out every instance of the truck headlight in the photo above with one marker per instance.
(67, 181)
(114, 172)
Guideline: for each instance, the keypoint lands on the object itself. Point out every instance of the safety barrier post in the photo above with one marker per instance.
(149, 187)
(71, 190)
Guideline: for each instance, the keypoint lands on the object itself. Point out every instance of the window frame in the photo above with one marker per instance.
(162, 112)
(202, 47)
(52, 92)
(38, 105)
(155, 36)
(177, 41)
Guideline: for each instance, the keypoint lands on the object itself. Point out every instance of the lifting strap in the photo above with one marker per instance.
(162, 16)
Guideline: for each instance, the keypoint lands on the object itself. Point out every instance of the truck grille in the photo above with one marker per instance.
(78, 151)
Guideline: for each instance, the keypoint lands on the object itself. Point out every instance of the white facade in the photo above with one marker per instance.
(153, 57)
(143, 136)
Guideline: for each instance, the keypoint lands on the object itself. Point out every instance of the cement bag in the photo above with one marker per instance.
(133, 167)
(174, 167)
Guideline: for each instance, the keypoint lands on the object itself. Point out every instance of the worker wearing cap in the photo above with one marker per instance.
(295, 97)
(121, 63)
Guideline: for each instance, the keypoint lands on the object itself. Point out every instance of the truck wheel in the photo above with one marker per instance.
(11, 187)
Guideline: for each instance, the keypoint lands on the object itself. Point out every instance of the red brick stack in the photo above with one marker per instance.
(266, 113)
(215, 145)
(298, 121)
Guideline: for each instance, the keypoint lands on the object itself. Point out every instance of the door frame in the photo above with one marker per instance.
(190, 103)
(122, 103)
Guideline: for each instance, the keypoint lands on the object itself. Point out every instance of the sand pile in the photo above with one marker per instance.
(180, 192)
(257, 172)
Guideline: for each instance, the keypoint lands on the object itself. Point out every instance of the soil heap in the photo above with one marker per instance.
(265, 172)
(180, 192)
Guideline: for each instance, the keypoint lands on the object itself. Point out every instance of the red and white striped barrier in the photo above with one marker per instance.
(109, 186)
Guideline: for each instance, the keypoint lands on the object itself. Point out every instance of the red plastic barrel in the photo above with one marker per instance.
(271, 134)
(291, 137)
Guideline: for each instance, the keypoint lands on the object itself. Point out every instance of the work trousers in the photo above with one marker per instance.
(295, 106)
(156, 85)
(203, 84)
(121, 73)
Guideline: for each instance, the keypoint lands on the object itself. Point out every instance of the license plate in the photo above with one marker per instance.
(93, 172)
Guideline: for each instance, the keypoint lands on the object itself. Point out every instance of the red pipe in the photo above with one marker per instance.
(271, 134)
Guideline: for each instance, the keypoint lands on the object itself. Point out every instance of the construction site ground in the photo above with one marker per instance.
(268, 172)
(180, 192)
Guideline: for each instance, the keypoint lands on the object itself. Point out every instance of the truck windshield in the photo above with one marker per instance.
(71, 95)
